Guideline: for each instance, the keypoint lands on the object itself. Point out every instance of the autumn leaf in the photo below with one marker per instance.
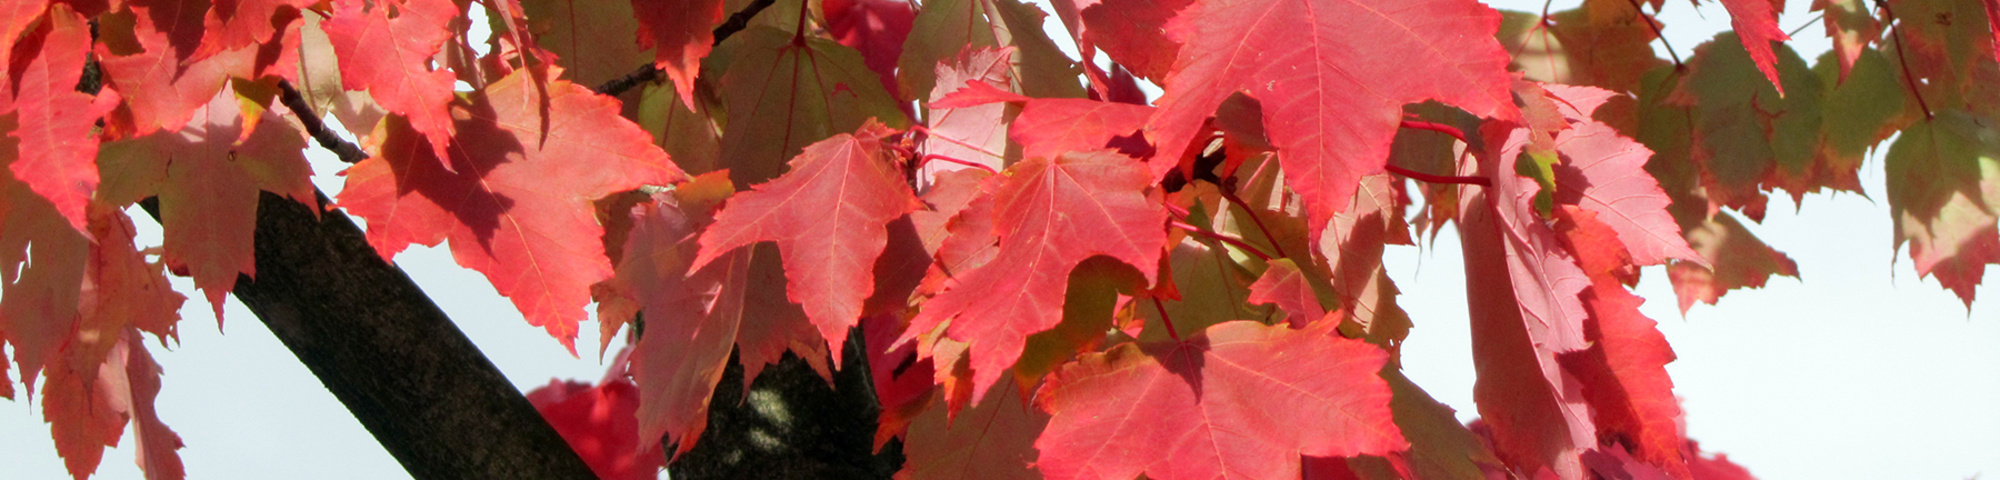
(974, 133)
(594, 41)
(515, 208)
(1050, 215)
(993, 441)
(391, 59)
(1756, 25)
(1943, 178)
(1284, 286)
(40, 287)
(208, 175)
(1049, 127)
(596, 421)
(829, 216)
(1239, 400)
(680, 33)
(243, 23)
(1133, 33)
(877, 28)
(943, 28)
(1604, 172)
(782, 96)
(1624, 372)
(58, 150)
(1747, 135)
(1333, 89)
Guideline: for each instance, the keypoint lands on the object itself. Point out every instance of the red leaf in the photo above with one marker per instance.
(163, 84)
(38, 305)
(975, 93)
(597, 423)
(1521, 323)
(1048, 127)
(1285, 286)
(517, 208)
(207, 175)
(58, 151)
(902, 381)
(690, 327)
(993, 441)
(877, 28)
(391, 57)
(1624, 372)
(1050, 215)
(1133, 33)
(1241, 400)
(1756, 23)
(87, 406)
(971, 132)
(681, 32)
(1333, 87)
(1605, 173)
(233, 24)
(829, 216)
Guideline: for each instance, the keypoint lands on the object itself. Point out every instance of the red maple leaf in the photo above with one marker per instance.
(517, 206)
(58, 150)
(391, 59)
(681, 34)
(1605, 173)
(829, 216)
(1334, 85)
(972, 130)
(163, 85)
(1240, 400)
(207, 175)
(1756, 23)
(1286, 287)
(1050, 215)
(877, 28)
(596, 421)
(1624, 372)
(233, 24)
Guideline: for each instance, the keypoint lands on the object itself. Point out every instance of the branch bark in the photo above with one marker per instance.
(391, 355)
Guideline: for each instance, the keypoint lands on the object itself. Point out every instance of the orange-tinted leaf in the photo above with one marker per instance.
(1240, 400)
(208, 175)
(1333, 87)
(517, 206)
(829, 216)
(390, 56)
(681, 34)
(1050, 215)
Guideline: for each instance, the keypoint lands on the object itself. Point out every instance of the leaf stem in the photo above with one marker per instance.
(1815, 19)
(1436, 127)
(1429, 178)
(1232, 241)
(1903, 58)
(1164, 320)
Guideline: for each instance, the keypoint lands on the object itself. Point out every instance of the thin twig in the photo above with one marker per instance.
(1650, 22)
(1904, 58)
(347, 152)
(1815, 19)
(1426, 177)
(1255, 219)
(1232, 241)
(1164, 320)
(648, 73)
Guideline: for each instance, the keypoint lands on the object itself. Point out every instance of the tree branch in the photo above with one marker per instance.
(389, 354)
(327, 139)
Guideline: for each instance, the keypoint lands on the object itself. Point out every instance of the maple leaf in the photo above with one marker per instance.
(782, 96)
(1748, 135)
(1284, 286)
(690, 326)
(319, 82)
(390, 58)
(689, 136)
(943, 28)
(1604, 172)
(1575, 47)
(1740, 260)
(88, 404)
(208, 175)
(1333, 89)
(235, 24)
(1049, 127)
(992, 441)
(596, 421)
(1522, 322)
(975, 132)
(877, 28)
(1049, 215)
(514, 208)
(1756, 25)
(829, 216)
(1133, 33)
(594, 41)
(58, 149)
(1230, 402)
(1852, 26)
(150, 59)
(681, 34)
(1941, 187)
(42, 285)
(902, 382)
(1624, 372)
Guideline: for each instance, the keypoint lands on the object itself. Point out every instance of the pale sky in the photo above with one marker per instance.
(1858, 371)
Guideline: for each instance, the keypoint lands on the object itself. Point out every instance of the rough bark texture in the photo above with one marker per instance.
(390, 355)
(792, 426)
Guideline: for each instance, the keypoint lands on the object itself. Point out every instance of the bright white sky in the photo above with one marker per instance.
(1859, 371)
